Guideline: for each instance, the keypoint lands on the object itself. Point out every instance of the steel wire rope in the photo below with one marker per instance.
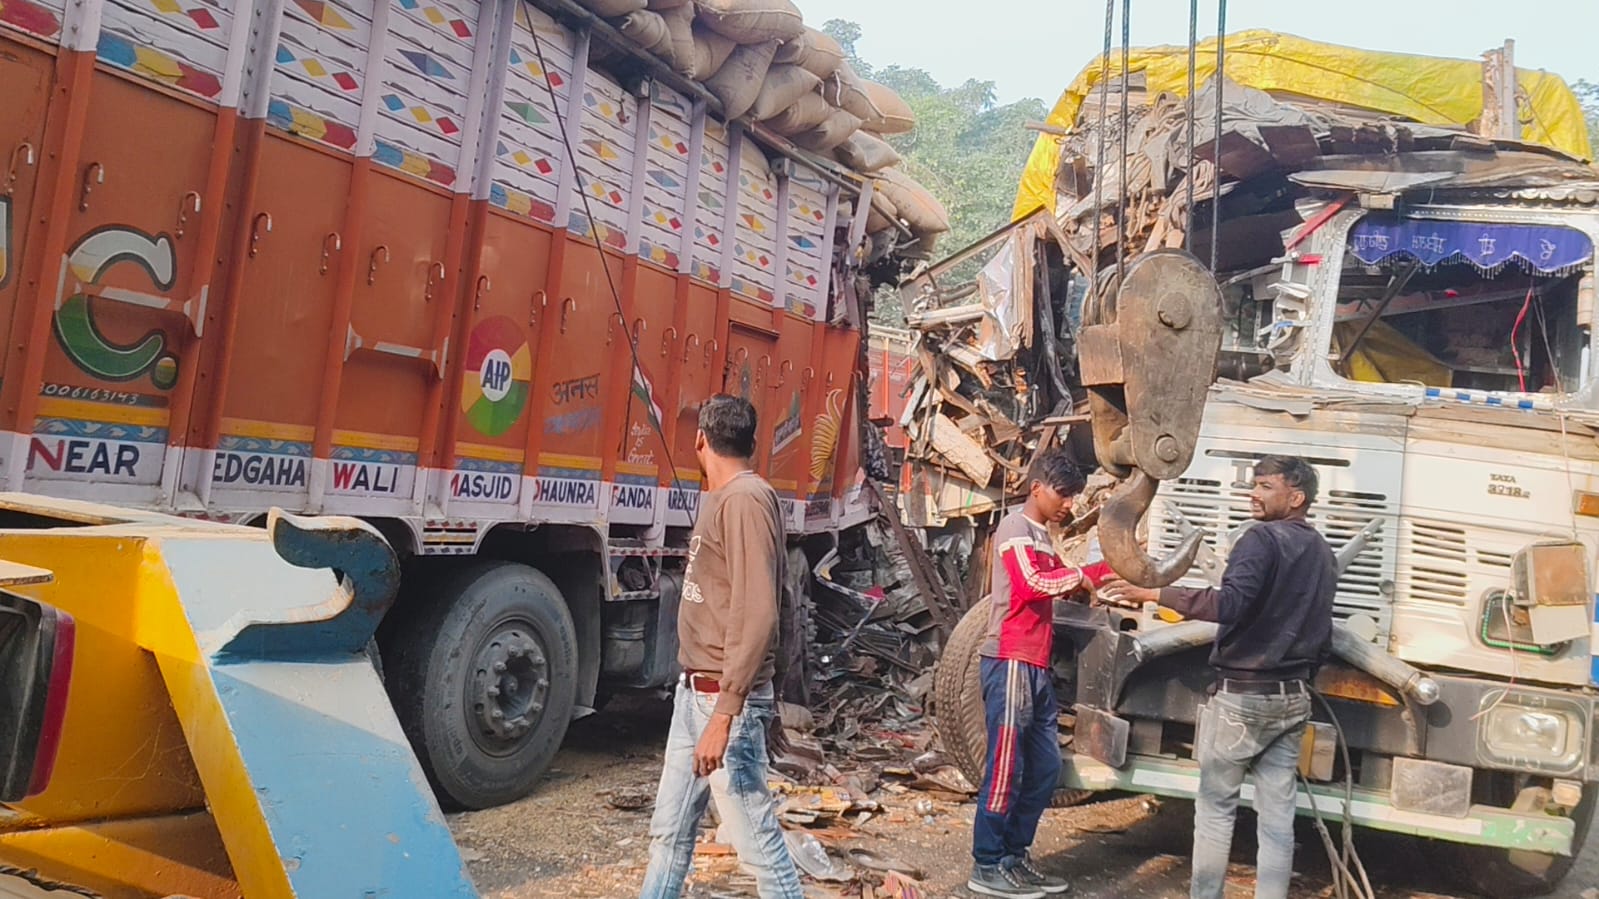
(605, 265)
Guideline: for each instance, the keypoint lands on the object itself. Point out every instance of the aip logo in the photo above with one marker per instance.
(499, 368)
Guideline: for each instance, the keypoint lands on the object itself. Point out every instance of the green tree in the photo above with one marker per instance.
(1588, 95)
(967, 149)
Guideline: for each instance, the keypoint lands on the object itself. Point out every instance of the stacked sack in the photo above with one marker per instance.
(760, 59)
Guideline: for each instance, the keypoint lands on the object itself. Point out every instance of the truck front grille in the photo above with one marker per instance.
(1339, 515)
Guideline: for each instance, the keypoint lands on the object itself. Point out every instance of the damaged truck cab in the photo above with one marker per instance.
(1416, 321)
(1464, 506)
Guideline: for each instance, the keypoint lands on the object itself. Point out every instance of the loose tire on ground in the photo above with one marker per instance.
(958, 701)
(483, 673)
(1501, 873)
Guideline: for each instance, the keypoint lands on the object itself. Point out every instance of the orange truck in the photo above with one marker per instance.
(463, 270)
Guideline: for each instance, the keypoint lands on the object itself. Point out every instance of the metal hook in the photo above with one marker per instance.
(809, 374)
(327, 251)
(372, 263)
(639, 327)
(94, 174)
(829, 381)
(783, 369)
(255, 231)
(484, 285)
(710, 350)
(667, 336)
(567, 305)
(740, 355)
(21, 155)
(183, 210)
(610, 326)
(427, 286)
(1118, 537)
(762, 365)
(689, 342)
(539, 300)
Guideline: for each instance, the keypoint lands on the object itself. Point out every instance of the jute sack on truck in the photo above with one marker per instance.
(866, 152)
(738, 82)
(680, 37)
(711, 51)
(847, 90)
(920, 209)
(752, 21)
(784, 85)
(878, 217)
(646, 29)
(836, 129)
(814, 51)
(894, 115)
(802, 115)
(610, 9)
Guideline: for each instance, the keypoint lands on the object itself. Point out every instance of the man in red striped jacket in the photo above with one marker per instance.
(1023, 765)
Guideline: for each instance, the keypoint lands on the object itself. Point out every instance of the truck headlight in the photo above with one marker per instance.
(1540, 734)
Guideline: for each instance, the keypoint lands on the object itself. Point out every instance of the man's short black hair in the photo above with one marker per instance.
(1295, 472)
(1055, 468)
(729, 426)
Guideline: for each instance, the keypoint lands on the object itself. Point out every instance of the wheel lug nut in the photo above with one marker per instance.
(494, 691)
(497, 715)
(499, 667)
(517, 652)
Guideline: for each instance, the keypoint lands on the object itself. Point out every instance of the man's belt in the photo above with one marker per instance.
(1291, 687)
(700, 682)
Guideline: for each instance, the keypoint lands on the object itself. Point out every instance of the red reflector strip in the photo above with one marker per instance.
(55, 711)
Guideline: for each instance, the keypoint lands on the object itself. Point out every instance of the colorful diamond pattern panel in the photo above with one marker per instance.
(427, 78)
(707, 250)
(40, 19)
(755, 244)
(807, 244)
(529, 155)
(666, 170)
(605, 143)
(178, 43)
(320, 71)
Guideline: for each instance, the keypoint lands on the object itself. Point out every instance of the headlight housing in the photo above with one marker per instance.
(1531, 732)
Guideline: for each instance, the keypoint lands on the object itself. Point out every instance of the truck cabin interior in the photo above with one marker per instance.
(1503, 317)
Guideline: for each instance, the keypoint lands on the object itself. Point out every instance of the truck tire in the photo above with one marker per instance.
(1503, 873)
(483, 677)
(958, 702)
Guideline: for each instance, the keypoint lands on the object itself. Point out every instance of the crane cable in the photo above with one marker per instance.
(605, 265)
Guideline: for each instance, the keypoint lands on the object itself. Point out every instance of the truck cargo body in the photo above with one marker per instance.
(335, 257)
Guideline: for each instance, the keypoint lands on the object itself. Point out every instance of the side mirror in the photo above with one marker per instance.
(36, 649)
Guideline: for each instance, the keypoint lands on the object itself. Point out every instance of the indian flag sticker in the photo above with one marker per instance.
(499, 369)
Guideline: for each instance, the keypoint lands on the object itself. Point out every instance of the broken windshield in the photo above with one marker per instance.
(1463, 305)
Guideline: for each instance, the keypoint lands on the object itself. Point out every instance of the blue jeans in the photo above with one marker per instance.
(1023, 767)
(742, 800)
(1240, 733)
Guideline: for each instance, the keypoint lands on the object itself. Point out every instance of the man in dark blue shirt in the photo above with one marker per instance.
(1274, 606)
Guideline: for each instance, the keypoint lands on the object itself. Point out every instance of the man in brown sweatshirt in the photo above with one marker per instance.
(726, 628)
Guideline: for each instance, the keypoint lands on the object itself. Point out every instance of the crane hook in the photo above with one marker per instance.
(1118, 529)
(1146, 413)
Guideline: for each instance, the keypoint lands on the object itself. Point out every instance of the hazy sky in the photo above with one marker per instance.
(1035, 47)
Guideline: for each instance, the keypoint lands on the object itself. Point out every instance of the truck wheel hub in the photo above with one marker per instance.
(511, 684)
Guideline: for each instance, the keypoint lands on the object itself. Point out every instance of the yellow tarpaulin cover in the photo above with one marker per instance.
(1427, 89)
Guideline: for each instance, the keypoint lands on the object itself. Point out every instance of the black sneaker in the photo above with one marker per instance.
(1028, 874)
(997, 880)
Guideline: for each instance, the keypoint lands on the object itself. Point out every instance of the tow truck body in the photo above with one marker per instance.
(224, 732)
